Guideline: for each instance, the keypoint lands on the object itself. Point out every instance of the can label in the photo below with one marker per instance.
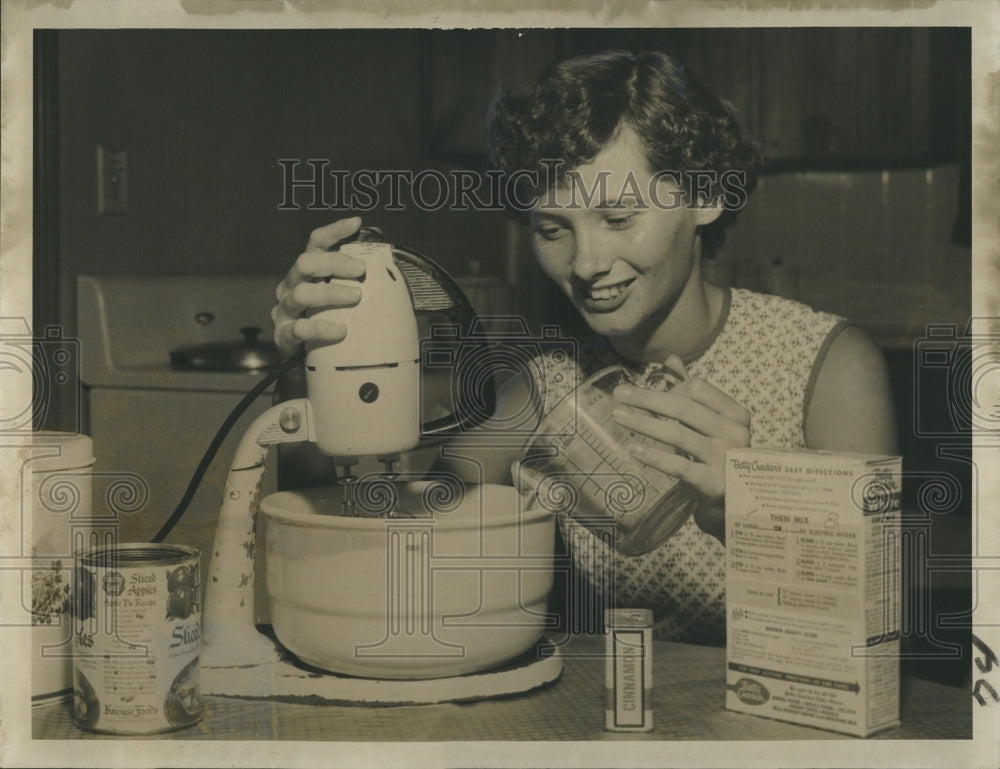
(136, 639)
(629, 671)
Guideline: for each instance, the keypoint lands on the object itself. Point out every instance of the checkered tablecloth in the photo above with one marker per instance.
(689, 704)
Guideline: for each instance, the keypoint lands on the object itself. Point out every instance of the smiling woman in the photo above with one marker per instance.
(626, 132)
(635, 170)
(629, 263)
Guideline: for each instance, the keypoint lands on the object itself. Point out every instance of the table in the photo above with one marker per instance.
(689, 702)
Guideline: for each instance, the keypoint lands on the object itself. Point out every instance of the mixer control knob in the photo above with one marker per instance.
(290, 420)
(368, 392)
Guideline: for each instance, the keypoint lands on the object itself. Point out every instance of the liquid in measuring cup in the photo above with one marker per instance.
(578, 463)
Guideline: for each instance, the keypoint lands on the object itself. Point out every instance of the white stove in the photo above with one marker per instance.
(148, 418)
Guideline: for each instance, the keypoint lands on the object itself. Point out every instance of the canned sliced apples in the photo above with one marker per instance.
(137, 638)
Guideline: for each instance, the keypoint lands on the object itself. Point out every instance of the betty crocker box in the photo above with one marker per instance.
(813, 588)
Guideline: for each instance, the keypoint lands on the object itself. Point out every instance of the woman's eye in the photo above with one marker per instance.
(549, 231)
(618, 222)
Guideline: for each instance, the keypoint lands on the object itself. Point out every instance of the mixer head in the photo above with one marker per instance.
(450, 331)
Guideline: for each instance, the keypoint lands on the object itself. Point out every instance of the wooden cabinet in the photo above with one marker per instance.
(460, 72)
(845, 98)
(849, 98)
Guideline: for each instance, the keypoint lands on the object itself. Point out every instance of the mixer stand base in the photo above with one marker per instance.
(292, 682)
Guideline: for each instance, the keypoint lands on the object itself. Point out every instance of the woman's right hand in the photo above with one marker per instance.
(304, 289)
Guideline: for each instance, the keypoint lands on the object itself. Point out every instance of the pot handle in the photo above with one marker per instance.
(250, 334)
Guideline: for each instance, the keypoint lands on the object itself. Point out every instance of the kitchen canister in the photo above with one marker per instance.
(57, 489)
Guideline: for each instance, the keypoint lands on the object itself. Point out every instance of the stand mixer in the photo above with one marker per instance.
(384, 588)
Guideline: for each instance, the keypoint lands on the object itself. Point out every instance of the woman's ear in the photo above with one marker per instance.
(707, 211)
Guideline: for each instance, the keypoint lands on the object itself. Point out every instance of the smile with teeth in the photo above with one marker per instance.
(608, 292)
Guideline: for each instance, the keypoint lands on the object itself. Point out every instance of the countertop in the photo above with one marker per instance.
(688, 695)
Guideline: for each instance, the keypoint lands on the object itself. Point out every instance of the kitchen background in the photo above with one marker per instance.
(863, 209)
(864, 129)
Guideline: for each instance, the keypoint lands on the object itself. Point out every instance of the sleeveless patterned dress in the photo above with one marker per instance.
(765, 352)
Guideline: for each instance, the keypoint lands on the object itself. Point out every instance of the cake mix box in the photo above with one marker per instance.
(813, 587)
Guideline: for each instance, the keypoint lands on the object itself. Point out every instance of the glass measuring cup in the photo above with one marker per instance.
(577, 462)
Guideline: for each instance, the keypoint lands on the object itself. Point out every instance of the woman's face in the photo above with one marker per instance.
(620, 243)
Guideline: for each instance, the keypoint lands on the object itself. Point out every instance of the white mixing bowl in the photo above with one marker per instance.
(458, 585)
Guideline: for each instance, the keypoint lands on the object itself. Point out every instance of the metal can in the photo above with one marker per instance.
(58, 499)
(629, 670)
(137, 638)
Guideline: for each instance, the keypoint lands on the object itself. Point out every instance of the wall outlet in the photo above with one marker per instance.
(112, 181)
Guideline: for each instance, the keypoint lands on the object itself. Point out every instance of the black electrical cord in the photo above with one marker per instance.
(220, 436)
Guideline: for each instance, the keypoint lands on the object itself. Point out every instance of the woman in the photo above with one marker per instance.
(639, 170)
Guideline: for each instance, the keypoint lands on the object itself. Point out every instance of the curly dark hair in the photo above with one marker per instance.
(578, 105)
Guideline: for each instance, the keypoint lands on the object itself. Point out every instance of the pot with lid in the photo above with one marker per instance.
(248, 354)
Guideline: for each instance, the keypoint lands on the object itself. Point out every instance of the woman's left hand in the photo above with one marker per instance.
(691, 426)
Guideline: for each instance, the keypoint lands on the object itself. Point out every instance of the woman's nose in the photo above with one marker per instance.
(589, 260)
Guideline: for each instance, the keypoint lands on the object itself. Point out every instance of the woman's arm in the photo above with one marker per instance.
(850, 410)
(851, 407)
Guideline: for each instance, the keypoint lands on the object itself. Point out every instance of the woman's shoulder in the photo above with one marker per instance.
(759, 305)
(777, 339)
(781, 319)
